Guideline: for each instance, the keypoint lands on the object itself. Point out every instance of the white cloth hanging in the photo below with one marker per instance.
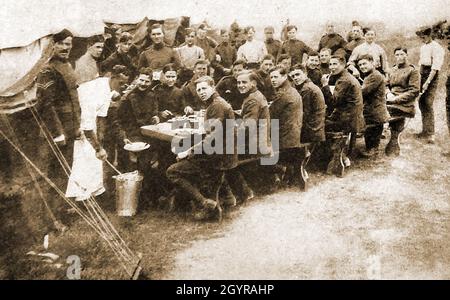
(86, 178)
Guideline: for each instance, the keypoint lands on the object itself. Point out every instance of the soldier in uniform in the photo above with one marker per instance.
(314, 107)
(333, 41)
(158, 55)
(294, 47)
(324, 57)
(288, 109)
(375, 110)
(59, 107)
(403, 83)
(312, 68)
(273, 46)
(121, 57)
(191, 98)
(227, 86)
(264, 83)
(225, 55)
(200, 175)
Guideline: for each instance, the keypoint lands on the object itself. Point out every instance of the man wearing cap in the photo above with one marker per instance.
(431, 60)
(272, 45)
(252, 51)
(295, 48)
(225, 55)
(159, 54)
(333, 41)
(59, 107)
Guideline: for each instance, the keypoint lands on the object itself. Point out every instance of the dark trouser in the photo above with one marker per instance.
(291, 159)
(237, 182)
(427, 99)
(196, 178)
(372, 136)
(447, 102)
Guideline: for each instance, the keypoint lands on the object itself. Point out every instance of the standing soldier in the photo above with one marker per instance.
(273, 46)
(59, 106)
(295, 48)
(333, 41)
(431, 61)
(225, 55)
(252, 51)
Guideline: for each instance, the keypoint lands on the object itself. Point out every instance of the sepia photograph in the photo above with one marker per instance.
(224, 140)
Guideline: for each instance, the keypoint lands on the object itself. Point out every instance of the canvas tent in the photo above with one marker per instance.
(19, 66)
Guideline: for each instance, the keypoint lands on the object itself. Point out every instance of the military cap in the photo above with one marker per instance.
(62, 35)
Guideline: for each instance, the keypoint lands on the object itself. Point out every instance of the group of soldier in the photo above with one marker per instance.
(345, 86)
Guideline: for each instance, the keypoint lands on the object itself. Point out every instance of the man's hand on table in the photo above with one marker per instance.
(188, 110)
(166, 114)
(155, 120)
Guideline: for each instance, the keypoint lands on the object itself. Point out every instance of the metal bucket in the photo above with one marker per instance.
(128, 188)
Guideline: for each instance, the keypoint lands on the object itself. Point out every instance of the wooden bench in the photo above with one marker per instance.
(303, 184)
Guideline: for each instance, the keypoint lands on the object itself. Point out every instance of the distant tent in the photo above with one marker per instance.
(19, 66)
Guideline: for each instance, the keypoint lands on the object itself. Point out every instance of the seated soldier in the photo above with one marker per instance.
(285, 61)
(375, 110)
(314, 107)
(287, 109)
(403, 89)
(170, 98)
(227, 86)
(264, 83)
(346, 101)
(138, 108)
(255, 127)
(200, 169)
(312, 68)
(324, 57)
(190, 95)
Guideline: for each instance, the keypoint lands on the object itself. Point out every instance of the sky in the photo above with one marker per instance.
(26, 20)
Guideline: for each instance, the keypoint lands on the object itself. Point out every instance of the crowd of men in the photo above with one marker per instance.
(343, 85)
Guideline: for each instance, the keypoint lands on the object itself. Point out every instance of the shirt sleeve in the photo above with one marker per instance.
(438, 54)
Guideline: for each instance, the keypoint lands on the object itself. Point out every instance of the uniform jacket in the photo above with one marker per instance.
(57, 97)
(265, 85)
(156, 57)
(119, 59)
(208, 45)
(227, 88)
(287, 108)
(314, 108)
(315, 75)
(255, 107)
(404, 82)
(374, 96)
(136, 109)
(227, 54)
(295, 48)
(218, 110)
(190, 95)
(273, 47)
(169, 98)
(347, 101)
(334, 42)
